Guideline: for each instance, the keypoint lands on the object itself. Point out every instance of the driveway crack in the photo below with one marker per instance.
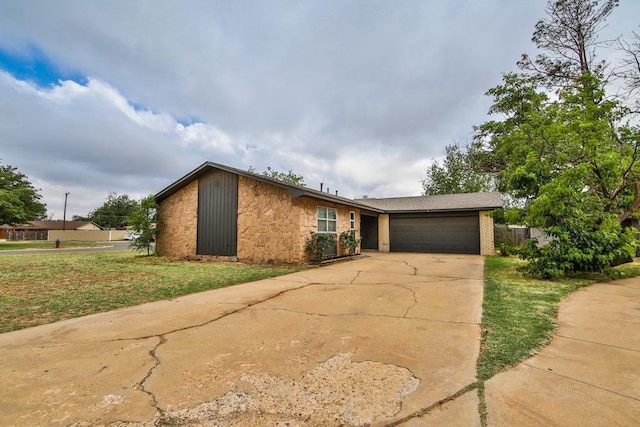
(415, 300)
(581, 382)
(385, 316)
(199, 325)
(424, 411)
(162, 339)
(597, 343)
(415, 269)
(141, 384)
(355, 277)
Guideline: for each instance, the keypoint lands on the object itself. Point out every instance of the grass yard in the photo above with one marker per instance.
(519, 313)
(43, 244)
(36, 290)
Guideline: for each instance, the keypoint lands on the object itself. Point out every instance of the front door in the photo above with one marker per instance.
(369, 232)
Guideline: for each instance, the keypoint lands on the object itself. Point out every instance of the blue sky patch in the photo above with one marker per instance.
(188, 121)
(33, 65)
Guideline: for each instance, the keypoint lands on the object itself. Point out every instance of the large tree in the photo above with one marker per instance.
(456, 174)
(629, 70)
(19, 199)
(572, 153)
(115, 211)
(568, 41)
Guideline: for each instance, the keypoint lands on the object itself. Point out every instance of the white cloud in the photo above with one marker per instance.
(358, 95)
(206, 136)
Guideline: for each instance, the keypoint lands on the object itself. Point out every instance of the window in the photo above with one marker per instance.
(327, 220)
(352, 220)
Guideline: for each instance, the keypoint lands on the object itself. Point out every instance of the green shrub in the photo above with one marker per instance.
(504, 241)
(576, 249)
(506, 249)
(349, 242)
(318, 245)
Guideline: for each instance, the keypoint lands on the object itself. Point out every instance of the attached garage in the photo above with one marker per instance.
(435, 233)
(447, 223)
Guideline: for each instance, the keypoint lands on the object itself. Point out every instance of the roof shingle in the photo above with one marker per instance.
(437, 203)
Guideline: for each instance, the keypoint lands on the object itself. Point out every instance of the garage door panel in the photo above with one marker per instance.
(435, 233)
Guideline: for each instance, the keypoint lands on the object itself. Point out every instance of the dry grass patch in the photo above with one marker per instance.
(45, 288)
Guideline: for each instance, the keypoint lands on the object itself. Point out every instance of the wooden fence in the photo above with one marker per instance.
(26, 235)
(513, 236)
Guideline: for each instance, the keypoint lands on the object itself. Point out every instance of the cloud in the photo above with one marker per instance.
(90, 137)
(358, 95)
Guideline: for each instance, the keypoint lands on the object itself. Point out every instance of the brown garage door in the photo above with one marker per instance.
(457, 233)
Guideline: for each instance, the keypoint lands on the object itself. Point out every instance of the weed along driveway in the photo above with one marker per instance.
(366, 342)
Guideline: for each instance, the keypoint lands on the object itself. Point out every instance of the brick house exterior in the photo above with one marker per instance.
(273, 219)
(273, 225)
(220, 212)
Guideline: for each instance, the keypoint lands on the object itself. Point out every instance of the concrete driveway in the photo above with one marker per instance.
(366, 342)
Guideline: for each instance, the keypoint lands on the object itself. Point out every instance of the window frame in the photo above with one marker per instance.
(327, 220)
(352, 220)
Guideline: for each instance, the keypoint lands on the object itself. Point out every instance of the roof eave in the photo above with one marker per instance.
(181, 183)
(294, 190)
(477, 209)
(332, 199)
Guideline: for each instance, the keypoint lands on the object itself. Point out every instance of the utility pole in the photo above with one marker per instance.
(64, 214)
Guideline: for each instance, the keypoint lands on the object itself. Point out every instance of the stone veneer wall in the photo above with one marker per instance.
(309, 221)
(487, 246)
(268, 219)
(273, 225)
(178, 225)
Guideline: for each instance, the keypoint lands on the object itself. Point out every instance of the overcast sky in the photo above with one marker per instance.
(128, 96)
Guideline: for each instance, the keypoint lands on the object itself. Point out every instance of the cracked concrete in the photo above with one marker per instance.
(366, 342)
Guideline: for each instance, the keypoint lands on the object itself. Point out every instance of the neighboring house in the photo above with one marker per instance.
(64, 225)
(39, 230)
(219, 211)
(5, 229)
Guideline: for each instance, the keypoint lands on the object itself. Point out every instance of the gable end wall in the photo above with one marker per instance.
(178, 225)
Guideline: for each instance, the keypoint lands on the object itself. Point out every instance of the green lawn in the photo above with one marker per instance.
(35, 290)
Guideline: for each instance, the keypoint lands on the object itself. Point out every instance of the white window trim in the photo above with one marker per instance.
(327, 219)
(352, 220)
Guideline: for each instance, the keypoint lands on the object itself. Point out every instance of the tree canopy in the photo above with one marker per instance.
(288, 177)
(566, 144)
(456, 174)
(19, 199)
(115, 211)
